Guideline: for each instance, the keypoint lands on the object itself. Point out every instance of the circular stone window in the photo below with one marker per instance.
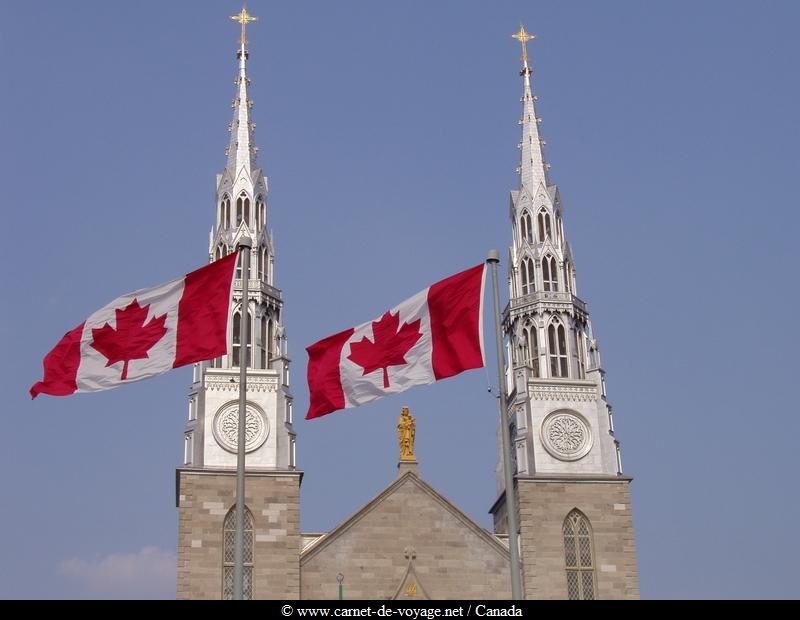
(226, 427)
(566, 435)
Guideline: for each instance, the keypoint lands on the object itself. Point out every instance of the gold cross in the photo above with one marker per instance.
(244, 18)
(523, 37)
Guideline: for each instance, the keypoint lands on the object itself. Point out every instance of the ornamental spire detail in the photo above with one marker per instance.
(532, 167)
(242, 150)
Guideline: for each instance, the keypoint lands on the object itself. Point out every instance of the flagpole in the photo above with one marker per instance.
(511, 500)
(245, 243)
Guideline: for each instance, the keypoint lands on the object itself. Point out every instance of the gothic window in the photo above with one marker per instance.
(242, 209)
(239, 267)
(577, 346)
(549, 273)
(560, 230)
(229, 554)
(526, 227)
(557, 348)
(270, 341)
(264, 273)
(237, 338)
(532, 348)
(260, 213)
(579, 557)
(567, 279)
(528, 276)
(544, 225)
(225, 212)
(264, 346)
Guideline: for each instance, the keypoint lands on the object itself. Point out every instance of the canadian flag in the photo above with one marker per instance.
(433, 335)
(144, 333)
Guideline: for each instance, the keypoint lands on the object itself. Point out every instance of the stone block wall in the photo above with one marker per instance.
(205, 497)
(543, 506)
(454, 558)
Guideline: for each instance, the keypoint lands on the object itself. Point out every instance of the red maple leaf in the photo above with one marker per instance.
(390, 346)
(132, 339)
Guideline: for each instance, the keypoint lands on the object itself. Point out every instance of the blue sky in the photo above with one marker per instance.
(388, 132)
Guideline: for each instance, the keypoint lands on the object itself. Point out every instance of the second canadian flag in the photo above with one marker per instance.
(433, 335)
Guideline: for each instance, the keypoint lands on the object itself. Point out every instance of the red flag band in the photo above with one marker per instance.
(433, 335)
(144, 333)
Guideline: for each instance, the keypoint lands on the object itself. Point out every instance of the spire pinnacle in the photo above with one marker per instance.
(523, 37)
(242, 150)
(244, 18)
(532, 167)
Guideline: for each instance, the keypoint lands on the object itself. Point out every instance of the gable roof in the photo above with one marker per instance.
(409, 477)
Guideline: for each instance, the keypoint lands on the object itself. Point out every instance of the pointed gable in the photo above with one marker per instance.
(453, 556)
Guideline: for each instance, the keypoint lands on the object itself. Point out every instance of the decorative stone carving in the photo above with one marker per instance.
(564, 393)
(228, 383)
(226, 427)
(566, 435)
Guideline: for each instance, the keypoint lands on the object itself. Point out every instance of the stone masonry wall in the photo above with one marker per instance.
(274, 501)
(455, 559)
(543, 506)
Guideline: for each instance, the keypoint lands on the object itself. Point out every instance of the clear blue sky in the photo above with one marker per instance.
(388, 132)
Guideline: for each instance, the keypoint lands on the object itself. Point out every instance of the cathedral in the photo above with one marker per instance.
(573, 504)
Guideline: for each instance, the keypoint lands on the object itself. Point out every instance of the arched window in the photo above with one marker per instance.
(247, 211)
(264, 345)
(237, 338)
(544, 225)
(557, 349)
(258, 216)
(532, 348)
(264, 273)
(528, 276)
(526, 227)
(225, 212)
(270, 342)
(579, 557)
(242, 209)
(229, 554)
(549, 273)
(579, 351)
(560, 229)
(567, 277)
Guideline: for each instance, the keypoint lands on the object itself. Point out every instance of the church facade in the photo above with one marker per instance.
(575, 524)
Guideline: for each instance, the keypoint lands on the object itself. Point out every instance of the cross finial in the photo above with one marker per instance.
(523, 37)
(244, 18)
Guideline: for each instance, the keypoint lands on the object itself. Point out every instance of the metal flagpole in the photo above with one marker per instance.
(245, 243)
(511, 497)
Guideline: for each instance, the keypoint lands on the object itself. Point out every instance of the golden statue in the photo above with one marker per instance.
(406, 432)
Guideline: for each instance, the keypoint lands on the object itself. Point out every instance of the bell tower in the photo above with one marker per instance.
(576, 532)
(206, 481)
